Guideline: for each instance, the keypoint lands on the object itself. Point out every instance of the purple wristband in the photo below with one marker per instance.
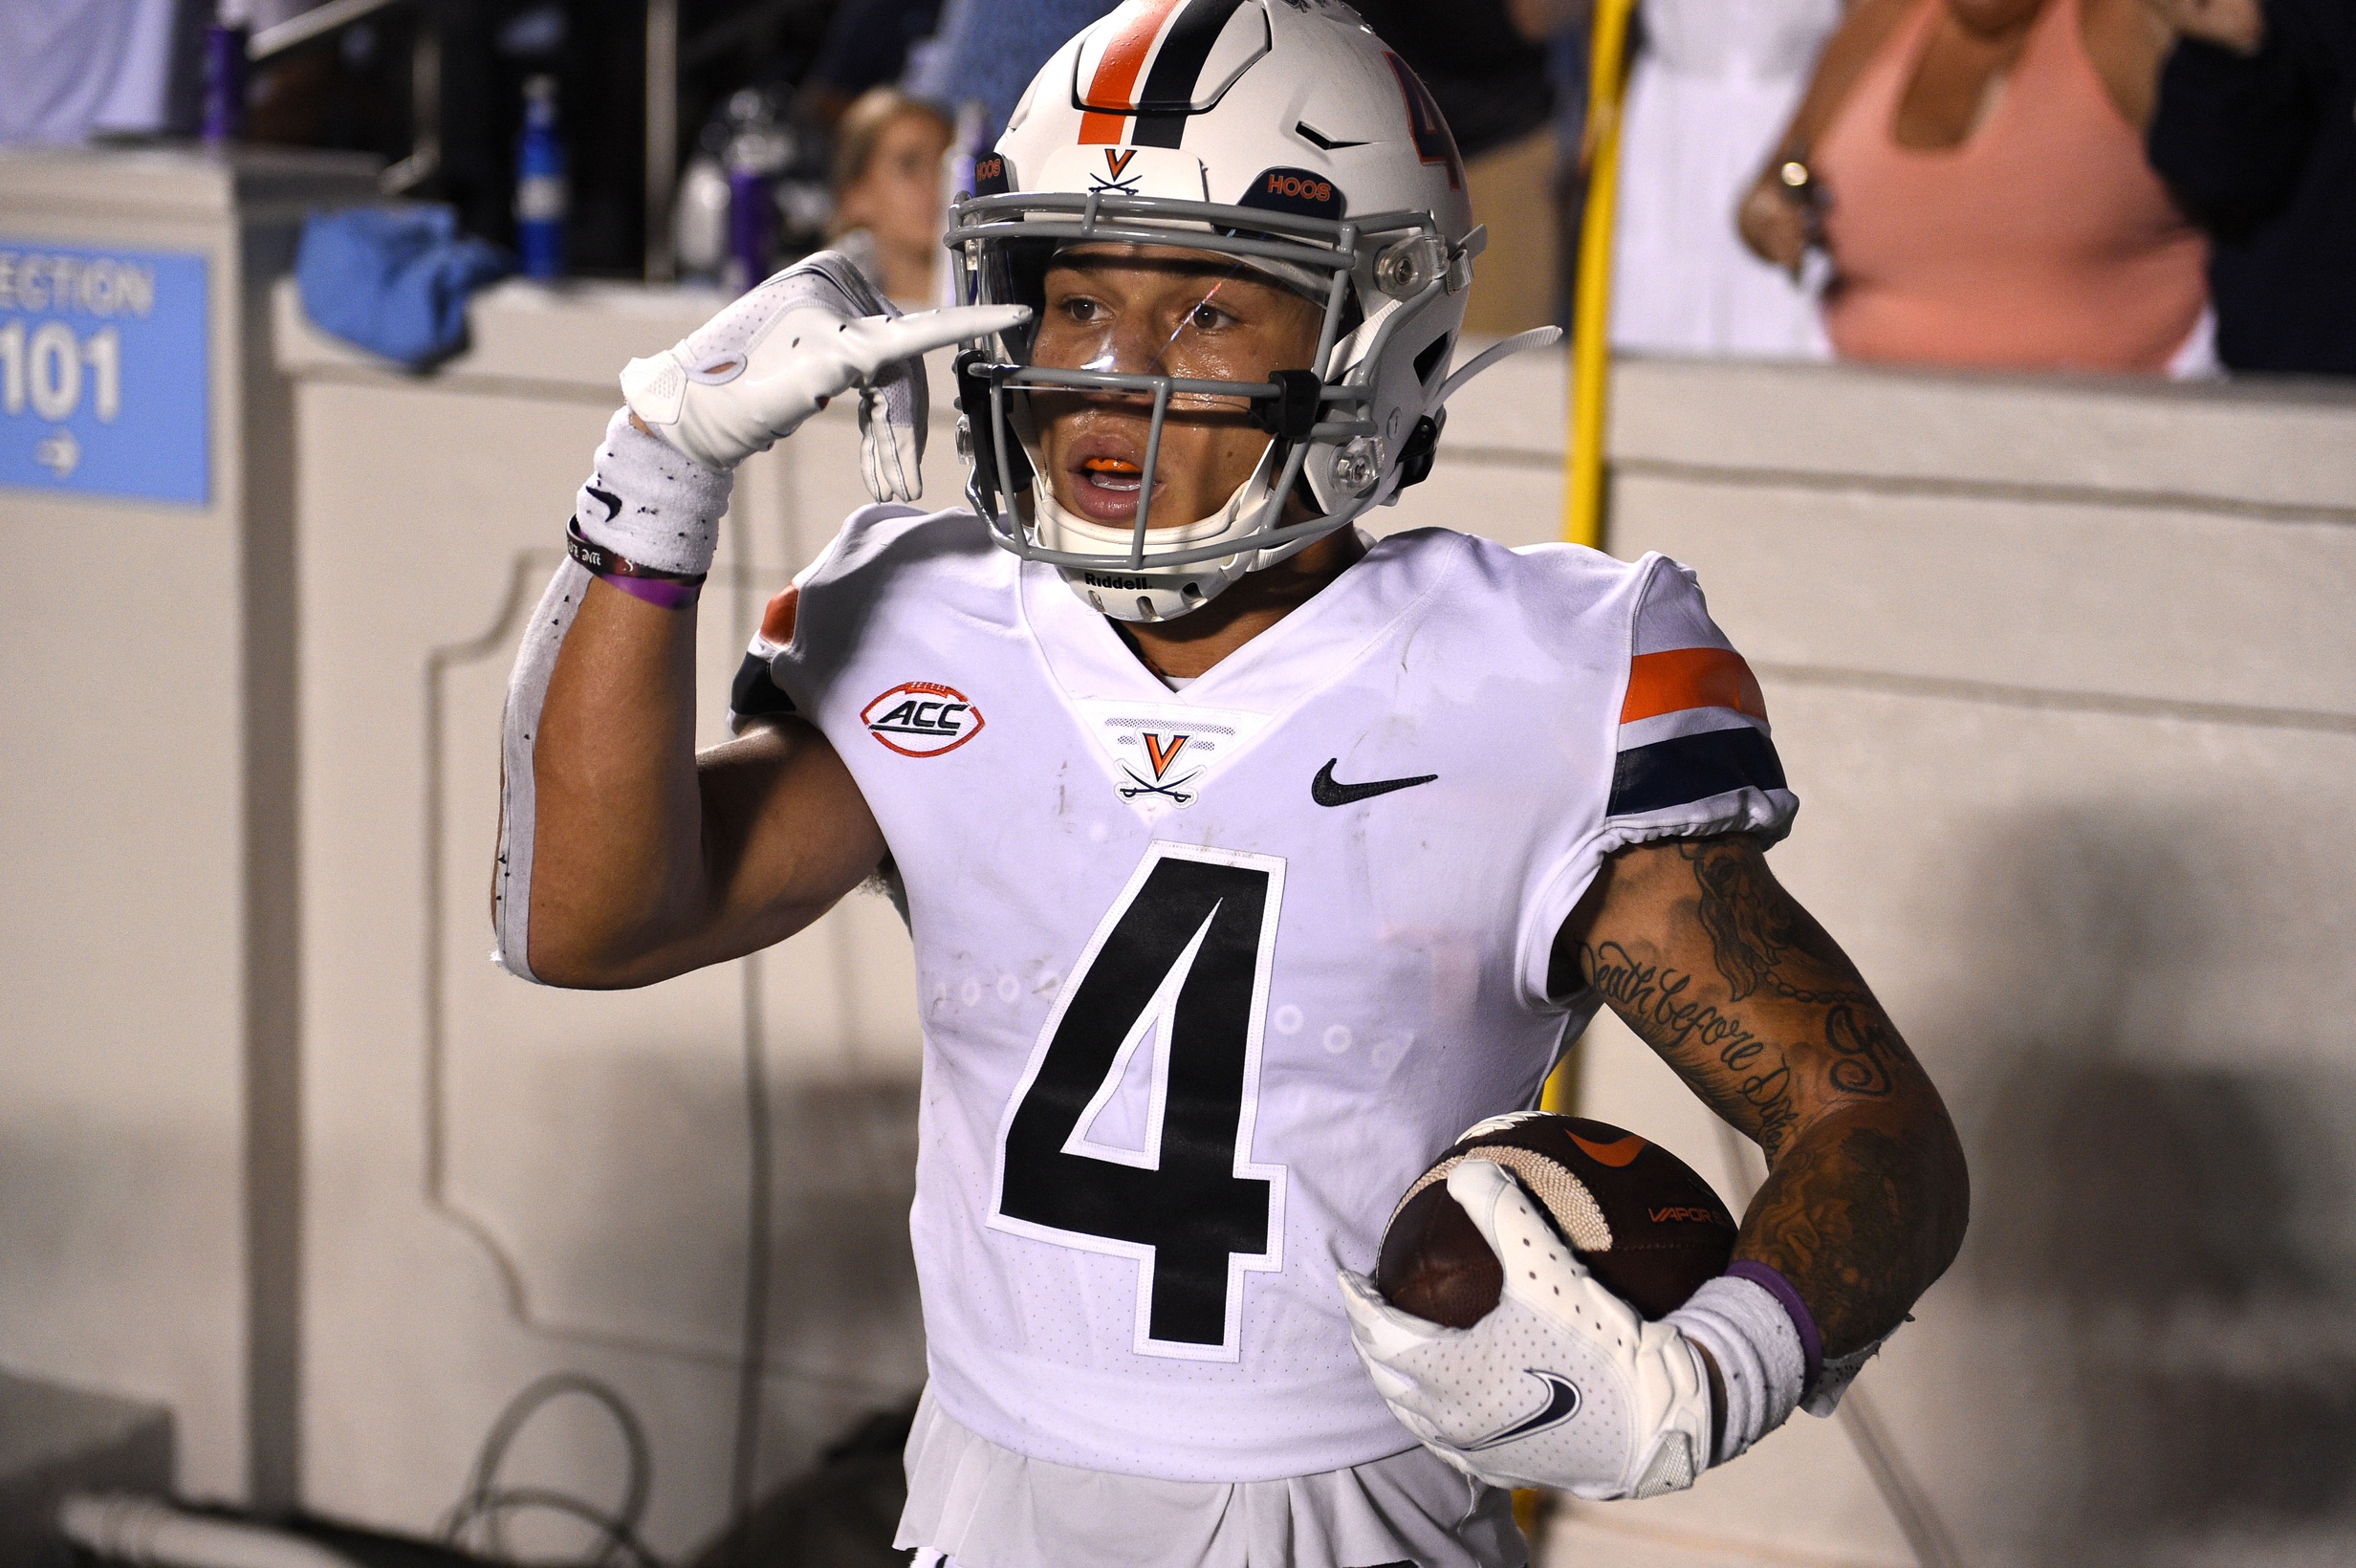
(1810, 1345)
(663, 590)
(663, 595)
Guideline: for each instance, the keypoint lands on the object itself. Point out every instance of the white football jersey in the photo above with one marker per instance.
(1208, 977)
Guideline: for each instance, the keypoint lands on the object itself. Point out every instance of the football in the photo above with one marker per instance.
(1650, 1228)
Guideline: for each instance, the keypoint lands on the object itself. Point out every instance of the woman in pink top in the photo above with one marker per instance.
(1975, 171)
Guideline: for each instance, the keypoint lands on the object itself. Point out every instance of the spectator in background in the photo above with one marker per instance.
(888, 193)
(69, 67)
(986, 51)
(867, 45)
(1486, 66)
(1712, 85)
(2256, 135)
(1979, 172)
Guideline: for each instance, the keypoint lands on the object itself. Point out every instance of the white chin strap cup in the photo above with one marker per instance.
(1154, 593)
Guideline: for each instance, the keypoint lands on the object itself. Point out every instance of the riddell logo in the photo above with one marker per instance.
(1103, 579)
(1700, 1216)
(921, 719)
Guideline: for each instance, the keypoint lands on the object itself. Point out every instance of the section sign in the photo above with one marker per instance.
(105, 381)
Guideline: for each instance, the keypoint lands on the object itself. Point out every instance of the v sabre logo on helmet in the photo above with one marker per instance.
(1117, 161)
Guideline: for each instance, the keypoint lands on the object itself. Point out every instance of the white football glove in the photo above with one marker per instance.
(749, 376)
(1563, 1384)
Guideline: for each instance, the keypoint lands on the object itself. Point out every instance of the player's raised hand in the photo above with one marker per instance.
(1563, 1384)
(754, 372)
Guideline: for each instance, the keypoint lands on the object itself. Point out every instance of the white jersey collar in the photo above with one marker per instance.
(1272, 672)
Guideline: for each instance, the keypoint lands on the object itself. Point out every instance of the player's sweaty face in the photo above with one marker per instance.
(1157, 311)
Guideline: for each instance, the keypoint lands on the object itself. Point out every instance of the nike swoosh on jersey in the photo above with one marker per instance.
(1561, 1404)
(1326, 791)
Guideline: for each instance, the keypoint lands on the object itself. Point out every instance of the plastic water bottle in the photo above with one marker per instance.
(751, 221)
(224, 71)
(698, 222)
(757, 151)
(539, 184)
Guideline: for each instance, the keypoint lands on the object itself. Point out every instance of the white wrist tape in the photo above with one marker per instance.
(649, 504)
(1750, 1336)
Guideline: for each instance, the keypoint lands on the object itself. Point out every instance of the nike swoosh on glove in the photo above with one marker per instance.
(1563, 1384)
(749, 377)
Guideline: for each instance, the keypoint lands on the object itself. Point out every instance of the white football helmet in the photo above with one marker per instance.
(1280, 133)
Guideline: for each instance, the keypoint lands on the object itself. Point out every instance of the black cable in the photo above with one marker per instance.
(752, 1365)
(495, 1505)
(487, 1503)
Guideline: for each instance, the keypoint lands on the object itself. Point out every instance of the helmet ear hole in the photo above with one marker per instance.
(1434, 358)
(981, 425)
(1423, 446)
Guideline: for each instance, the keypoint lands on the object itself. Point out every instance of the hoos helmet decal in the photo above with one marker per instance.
(1276, 141)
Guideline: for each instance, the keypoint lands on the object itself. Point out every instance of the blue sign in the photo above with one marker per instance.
(104, 385)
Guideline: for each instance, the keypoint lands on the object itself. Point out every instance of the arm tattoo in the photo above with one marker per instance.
(1852, 1231)
(1863, 1047)
(1752, 1086)
(1740, 991)
(1755, 927)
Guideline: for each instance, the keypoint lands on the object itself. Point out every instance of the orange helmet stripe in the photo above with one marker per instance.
(1117, 72)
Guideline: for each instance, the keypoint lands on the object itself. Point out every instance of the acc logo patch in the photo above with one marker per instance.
(921, 719)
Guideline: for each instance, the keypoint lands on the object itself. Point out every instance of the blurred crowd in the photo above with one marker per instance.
(2148, 187)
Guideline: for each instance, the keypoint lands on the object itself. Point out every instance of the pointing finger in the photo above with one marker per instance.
(910, 336)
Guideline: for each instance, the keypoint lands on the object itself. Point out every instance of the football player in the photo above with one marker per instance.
(1248, 860)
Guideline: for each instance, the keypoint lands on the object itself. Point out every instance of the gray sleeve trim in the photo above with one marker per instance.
(527, 691)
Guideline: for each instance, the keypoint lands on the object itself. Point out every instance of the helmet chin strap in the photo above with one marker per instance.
(1157, 593)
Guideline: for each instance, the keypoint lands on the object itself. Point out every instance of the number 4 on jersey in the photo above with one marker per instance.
(1182, 958)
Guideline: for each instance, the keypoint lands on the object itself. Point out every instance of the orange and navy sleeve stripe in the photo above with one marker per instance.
(1693, 725)
(755, 693)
